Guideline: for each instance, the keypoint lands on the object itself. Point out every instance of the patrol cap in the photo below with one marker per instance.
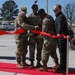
(24, 9)
(35, 6)
(40, 11)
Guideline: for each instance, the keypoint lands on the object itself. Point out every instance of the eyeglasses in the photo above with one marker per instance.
(55, 10)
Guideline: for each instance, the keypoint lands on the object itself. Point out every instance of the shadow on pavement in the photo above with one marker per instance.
(3, 46)
(72, 70)
(10, 58)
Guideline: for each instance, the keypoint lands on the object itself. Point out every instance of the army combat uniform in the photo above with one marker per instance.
(49, 44)
(21, 39)
(34, 40)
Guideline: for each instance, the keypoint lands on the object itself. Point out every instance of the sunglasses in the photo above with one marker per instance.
(55, 10)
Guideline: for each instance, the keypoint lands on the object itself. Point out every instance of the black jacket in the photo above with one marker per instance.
(61, 24)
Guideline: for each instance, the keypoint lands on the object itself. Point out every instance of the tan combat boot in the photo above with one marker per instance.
(55, 66)
(19, 66)
(24, 64)
(44, 68)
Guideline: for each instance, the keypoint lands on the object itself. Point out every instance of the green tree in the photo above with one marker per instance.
(9, 10)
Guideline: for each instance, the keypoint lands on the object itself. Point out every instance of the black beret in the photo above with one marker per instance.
(41, 10)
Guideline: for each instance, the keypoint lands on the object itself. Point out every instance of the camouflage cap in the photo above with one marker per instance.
(24, 9)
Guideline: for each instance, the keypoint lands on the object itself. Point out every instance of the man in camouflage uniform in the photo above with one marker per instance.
(22, 39)
(49, 44)
(34, 40)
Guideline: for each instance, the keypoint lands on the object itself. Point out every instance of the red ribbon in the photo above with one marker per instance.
(2, 32)
(19, 31)
(44, 33)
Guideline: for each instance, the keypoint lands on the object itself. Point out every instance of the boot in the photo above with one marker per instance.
(44, 68)
(24, 64)
(32, 64)
(38, 64)
(19, 66)
(55, 66)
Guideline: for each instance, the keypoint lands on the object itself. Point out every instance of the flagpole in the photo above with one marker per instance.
(47, 6)
(67, 57)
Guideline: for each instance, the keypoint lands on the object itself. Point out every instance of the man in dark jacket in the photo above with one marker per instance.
(61, 28)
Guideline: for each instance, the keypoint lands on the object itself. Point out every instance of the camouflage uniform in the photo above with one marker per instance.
(21, 39)
(34, 41)
(49, 44)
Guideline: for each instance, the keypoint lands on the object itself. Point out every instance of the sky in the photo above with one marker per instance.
(41, 4)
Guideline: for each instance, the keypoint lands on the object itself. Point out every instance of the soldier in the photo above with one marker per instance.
(34, 40)
(21, 39)
(49, 44)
